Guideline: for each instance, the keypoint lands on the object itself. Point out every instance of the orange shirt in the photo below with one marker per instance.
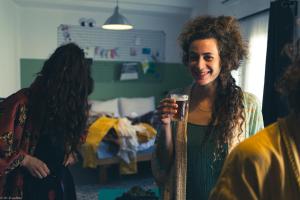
(263, 167)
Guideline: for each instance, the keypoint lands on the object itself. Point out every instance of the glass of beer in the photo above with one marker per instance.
(182, 102)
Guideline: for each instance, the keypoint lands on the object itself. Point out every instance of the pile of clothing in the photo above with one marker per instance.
(121, 137)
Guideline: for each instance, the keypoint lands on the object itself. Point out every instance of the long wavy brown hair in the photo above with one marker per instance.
(58, 96)
(228, 110)
(289, 86)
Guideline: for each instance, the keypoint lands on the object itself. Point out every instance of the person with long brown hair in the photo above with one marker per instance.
(220, 114)
(42, 126)
(267, 166)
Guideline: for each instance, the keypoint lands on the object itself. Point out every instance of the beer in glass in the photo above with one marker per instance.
(182, 102)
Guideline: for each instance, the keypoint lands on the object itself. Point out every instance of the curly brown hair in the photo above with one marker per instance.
(58, 101)
(289, 86)
(228, 110)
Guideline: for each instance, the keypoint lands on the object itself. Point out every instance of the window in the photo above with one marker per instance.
(251, 74)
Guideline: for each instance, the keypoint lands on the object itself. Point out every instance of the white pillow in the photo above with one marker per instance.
(109, 106)
(133, 107)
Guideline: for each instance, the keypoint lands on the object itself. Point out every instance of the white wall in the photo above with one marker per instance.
(38, 29)
(200, 8)
(9, 70)
(28, 32)
(237, 8)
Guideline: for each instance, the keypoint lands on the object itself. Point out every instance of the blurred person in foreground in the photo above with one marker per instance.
(267, 165)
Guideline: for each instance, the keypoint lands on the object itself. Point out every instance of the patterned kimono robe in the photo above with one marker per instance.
(16, 141)
(18, 138)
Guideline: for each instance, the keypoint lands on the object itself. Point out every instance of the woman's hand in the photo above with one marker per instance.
(166, 109)
(36, 167)
(70, 159)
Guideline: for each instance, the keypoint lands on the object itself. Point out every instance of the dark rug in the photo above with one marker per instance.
(90, 192)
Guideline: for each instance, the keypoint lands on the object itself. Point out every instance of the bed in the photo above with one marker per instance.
(136, 113)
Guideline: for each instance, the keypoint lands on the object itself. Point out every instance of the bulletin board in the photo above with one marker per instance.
(108, 45)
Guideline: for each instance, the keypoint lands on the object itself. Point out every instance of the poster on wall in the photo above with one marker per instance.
(129, 71)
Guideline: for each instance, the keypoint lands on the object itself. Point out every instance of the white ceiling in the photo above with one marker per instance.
(165, 7)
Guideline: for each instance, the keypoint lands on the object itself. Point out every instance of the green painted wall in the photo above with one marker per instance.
(165, 76)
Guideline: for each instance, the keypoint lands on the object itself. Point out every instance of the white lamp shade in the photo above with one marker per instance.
(117, 22)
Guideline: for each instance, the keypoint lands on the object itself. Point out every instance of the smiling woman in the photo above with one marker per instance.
(204, 61)
(220, 114)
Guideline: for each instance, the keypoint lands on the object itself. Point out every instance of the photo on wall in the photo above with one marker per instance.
(129, 71)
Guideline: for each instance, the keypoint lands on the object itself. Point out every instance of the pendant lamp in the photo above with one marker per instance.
(117, 21)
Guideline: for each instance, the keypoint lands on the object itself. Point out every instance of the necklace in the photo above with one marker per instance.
(203, 110)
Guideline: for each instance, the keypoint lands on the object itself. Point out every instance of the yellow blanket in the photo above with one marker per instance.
(97, 132)
(99, 129)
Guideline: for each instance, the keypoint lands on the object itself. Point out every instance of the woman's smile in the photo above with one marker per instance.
(204, 60)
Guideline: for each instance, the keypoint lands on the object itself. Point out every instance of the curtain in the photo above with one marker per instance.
(281, 32)
(252, 71)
